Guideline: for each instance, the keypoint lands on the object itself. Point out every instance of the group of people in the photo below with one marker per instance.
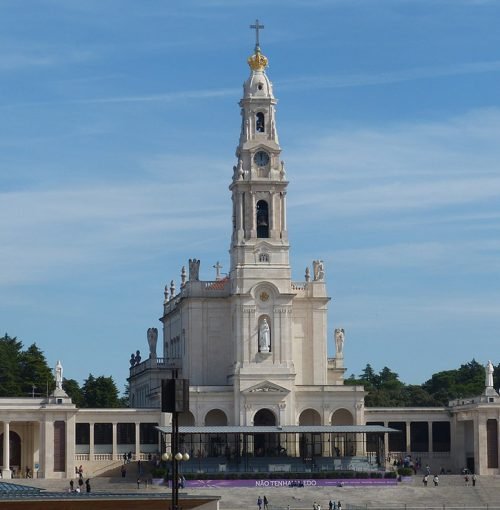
(332, 505)
(407, 462)
(435, 480)
(467, 479)
(127, 458)
(262, 501)
(79, 487)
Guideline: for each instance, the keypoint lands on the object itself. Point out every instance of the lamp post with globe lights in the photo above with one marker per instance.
(175, 459)
(175, 400)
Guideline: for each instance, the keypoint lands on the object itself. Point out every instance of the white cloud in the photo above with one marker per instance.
(401, 167)
(50, 232)
(384, 78)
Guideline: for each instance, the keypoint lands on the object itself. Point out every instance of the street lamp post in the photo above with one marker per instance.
(175, 459)
(175, 400)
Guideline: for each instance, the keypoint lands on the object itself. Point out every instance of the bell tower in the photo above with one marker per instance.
(259, 243)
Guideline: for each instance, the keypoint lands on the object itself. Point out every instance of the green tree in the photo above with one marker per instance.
(447, 385)
(370, 377)
(10, 379)
(72, 388)
(34, 371)
(100, 392)
(125, 399)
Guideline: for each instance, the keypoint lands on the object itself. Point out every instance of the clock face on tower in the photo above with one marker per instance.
(261, 158)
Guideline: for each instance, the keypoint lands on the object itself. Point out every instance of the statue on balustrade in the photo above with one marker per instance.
(194, 270)
(152, 341)
(318, 270)
(339, 342)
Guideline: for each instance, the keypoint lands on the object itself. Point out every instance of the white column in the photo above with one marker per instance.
(408, 437)
(272, 216)
(239, 213)
(254, 215)
(137, 441)
(91, 442)
(70, 445)
(47, 446)
(6, 473)
(386, 446)
(114, 441)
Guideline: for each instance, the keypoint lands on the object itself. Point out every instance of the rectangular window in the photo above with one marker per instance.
(103, 433)
(148, 433)
(82, 432)
(126, 433)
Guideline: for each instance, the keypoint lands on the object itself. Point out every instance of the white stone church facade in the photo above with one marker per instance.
(272, 352)
(253, 345)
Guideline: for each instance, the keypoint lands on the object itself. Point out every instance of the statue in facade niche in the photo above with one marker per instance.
(318, 270)
(59, 375)
(339, 342)
(152, 340)
(194, 270)
(264, 336)
(489, 374)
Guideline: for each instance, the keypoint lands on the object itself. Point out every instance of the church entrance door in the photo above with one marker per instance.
(266, 444)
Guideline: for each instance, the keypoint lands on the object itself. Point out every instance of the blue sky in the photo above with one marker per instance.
(118, 124)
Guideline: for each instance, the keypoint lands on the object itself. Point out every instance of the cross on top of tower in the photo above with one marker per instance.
(257, 27)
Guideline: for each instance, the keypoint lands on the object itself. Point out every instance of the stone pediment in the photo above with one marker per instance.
(266, 387)
(263, 246)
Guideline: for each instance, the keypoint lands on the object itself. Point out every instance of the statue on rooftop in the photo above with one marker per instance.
(489, 374)
(59, 375)
(152, 341)
(339, 342)
(137, 358)
(318, 270)
(194, 269)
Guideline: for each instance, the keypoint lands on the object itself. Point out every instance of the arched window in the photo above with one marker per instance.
(262, 219)
(259, 122)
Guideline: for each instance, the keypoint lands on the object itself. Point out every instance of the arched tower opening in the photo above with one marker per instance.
(260, 122)
(262, 219)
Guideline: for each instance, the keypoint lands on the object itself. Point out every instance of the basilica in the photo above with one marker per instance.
(263, 393)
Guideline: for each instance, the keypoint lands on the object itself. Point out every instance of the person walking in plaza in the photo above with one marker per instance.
(425, 480)
(87, 485)
(259, 503)
(265, 503)
(435, 480)
(474, 479)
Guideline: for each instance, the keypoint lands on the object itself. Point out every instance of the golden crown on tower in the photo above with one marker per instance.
(257, 61)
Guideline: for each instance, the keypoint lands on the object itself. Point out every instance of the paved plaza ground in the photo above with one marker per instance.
(451, 493)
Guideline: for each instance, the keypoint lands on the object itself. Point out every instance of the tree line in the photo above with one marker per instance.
(384, 389)
(25, 372)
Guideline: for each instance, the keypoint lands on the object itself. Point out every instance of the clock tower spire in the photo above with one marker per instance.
(259, 244)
